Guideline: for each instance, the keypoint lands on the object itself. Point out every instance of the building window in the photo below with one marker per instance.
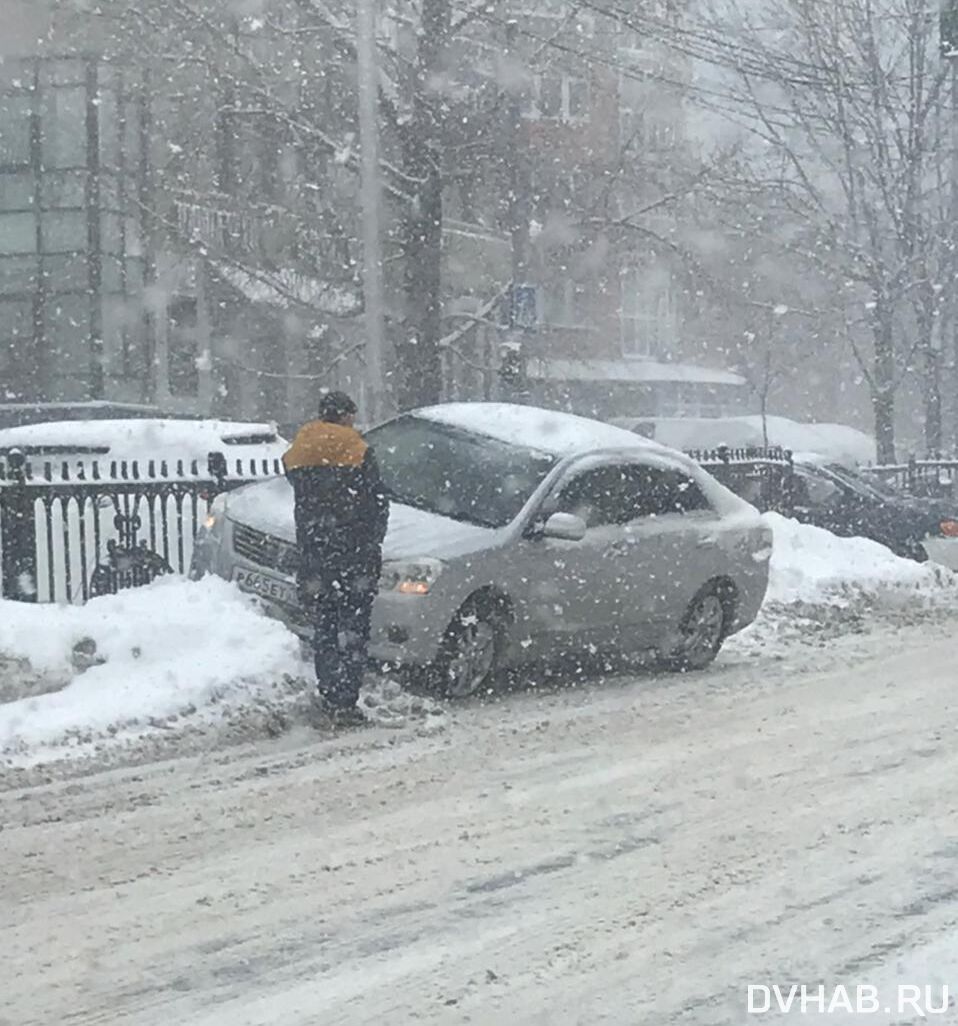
(67, 333)
(566, 305)
(15, 114)
(16, 192)
(63, 114)
(64, 231)
(18, 234)
(51, 113)
(184, 377)
(557, 97)
(18, 275)
(645, 120)
(647, 314)
(549, 96)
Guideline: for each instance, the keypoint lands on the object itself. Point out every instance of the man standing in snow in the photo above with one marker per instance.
(341, 515)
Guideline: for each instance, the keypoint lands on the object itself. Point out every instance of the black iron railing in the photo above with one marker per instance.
(921, 477)
(71, 530)
(762, 476)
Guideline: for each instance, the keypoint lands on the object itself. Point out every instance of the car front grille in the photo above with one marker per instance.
(264, 549)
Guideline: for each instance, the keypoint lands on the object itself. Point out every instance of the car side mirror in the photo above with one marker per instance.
(564, 527)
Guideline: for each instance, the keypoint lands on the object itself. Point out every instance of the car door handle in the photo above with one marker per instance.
(706, 542)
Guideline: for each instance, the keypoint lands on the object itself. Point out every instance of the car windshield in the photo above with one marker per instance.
(456, 473)
(882, 487)
(868, 489)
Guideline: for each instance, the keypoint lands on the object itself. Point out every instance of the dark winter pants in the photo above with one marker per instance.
(341, 621)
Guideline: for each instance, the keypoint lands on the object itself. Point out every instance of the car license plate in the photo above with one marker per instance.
(268, 587)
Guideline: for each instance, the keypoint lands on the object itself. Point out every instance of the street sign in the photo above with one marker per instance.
(523, 307)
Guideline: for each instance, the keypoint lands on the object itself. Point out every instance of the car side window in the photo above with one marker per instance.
(605, 495)
(622, 493)
(666, 491)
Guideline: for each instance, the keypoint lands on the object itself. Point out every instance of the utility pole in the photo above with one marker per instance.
(953, 57)
(521, 315)
(948, 31)
(373, 291)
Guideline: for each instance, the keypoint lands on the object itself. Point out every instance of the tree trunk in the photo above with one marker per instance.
(931, 373)
(883, 405)
(930, 369)
(954, 383)
(420, 364)
(766, 388)
(883, 386)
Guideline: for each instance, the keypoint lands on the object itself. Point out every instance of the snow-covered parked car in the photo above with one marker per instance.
(518, 533)
(839, 442)
(829, 495)
(192, 440)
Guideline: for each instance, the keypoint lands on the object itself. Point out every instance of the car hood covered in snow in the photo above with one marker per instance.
(412, 533)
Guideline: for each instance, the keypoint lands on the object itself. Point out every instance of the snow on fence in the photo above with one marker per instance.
(73, 530)
(927, 477)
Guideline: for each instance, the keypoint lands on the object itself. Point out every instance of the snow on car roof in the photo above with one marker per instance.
(132, 437)
(561, 434)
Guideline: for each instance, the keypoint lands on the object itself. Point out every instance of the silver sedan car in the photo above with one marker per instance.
(518, 534)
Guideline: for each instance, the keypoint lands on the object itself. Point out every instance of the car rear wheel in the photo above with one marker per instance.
(469, 660)
(701, 632)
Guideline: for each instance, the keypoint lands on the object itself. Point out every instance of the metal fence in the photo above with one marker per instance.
(70, 531)
(73, 530)
(928, 477)
(762, 476)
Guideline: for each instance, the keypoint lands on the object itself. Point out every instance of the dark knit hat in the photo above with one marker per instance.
(335, 406)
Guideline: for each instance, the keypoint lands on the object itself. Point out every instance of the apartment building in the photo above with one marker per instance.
(163, 239)
(605, 129)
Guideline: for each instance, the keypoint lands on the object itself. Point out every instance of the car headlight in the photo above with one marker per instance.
(410, 577)
(216, 513)
(949, 528)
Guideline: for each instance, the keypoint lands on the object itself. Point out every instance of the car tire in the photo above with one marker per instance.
(469, 659)
(702, 630)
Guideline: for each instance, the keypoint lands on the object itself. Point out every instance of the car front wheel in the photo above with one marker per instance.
(469, 660)
(701, 633)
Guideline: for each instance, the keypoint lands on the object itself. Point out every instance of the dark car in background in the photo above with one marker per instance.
(832, 496)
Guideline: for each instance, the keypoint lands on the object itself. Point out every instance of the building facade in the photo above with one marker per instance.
(73, 257)
(606, 140)
(166, 237)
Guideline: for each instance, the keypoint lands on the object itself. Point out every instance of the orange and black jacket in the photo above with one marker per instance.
(342, 508)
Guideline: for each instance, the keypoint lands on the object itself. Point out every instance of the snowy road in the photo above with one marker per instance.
(637, 853)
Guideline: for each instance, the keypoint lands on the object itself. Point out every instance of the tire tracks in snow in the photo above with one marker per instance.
(634, 853)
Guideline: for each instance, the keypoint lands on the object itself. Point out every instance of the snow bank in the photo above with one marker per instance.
(813, 566)
(179, 653)
(172, 647)
(147, 663)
